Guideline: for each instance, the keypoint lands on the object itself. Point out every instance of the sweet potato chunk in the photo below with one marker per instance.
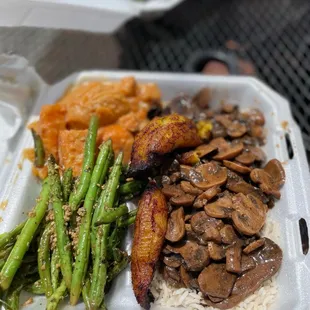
(71, 149)
(148, 92)
(103, 99)
(121, 138)
(134, 121)
(52, 120)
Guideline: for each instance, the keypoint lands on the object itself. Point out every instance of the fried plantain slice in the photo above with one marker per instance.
(149, 235)
(161, 136)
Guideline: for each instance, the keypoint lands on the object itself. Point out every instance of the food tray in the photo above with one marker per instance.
(19, 188)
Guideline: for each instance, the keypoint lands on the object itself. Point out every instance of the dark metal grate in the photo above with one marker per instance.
(274, 35)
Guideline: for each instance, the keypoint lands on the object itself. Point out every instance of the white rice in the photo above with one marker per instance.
(166, 296)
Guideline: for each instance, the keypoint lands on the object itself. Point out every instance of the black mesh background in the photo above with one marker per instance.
(274, 35)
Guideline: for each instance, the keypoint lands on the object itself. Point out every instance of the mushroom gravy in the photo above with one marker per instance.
(219, 195)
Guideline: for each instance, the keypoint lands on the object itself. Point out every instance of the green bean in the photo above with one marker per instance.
(5, 252)
(128, 219)
(105, 171)
(85, 294)
(89, 158)
(22, 243)
(44, 260)
(55, 269)
(38, 149)
(100, 194)
(35, 288)
(63, 243)
(10, 236)
(110, 190)
(57, 296)
(118, 267)
(81, 261)
(12, 298)
(67, 183)
(131, 187)
(100, 268)
(112, 215)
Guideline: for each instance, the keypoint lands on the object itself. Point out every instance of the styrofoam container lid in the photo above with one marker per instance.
(19, 188)
(88, 15)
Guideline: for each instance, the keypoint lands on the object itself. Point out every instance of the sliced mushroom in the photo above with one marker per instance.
(249, 215)
(165, 180)
(217, 252)
(270, 179)
(187, 217)
(189, 158)
(215, 281)
(237, 185)
(221, 208)
(236, 167)
(175, 177)
(205, 149)
(188, 280)
(202, 98)
(188, 188)
(166, 250)
(228, 234)
(176, 225)
(219, 143)
(258, 153)
(218, 130)
(172, 276)
(211, 192)
(190, 174)
(202, 199)
(184, 200)
(275, 169)
(255, 116)
(195, 256)
(224, 119)
(231, 152)
(246, 157)
(236, 129)
(257, 131)
(233, 259)
(173, 261)
(254, 246)
(191, 235)
(228, 107)
(268, 261)
(213, 175)
(247, 263)
(172, 191)
(208, 228)
(215, 299)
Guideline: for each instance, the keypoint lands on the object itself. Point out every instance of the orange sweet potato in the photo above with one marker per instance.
(93, 98)
(128, 86)
(52, 119)
(134, 121)
(71, 149)
(121, 138)
(148, 92)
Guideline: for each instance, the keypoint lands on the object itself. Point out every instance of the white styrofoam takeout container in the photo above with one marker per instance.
(19, 187)
(89, 15)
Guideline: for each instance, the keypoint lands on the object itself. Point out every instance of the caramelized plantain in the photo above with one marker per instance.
(149, 235)
(161, 136)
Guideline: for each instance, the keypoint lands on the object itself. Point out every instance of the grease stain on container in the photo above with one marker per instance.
(3, 204)
(284, 125)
